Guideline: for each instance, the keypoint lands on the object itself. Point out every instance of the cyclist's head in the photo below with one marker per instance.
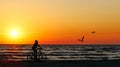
(36, 41)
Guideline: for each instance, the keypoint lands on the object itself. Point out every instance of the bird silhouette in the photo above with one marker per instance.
(82, 39)
(93, 32)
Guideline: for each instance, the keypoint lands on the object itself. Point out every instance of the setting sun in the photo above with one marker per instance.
(14, 33)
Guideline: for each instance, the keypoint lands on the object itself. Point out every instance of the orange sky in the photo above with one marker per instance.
(60, 21)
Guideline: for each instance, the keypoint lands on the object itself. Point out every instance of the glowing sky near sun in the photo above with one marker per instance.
(60, 21)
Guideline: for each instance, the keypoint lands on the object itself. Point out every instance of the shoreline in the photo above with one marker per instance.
(62, 63)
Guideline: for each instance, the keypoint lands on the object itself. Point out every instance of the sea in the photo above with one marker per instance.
(19, 52)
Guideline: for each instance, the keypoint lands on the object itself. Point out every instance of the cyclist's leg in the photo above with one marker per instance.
(35, 55)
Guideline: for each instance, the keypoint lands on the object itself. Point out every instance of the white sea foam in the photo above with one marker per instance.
(62, 52)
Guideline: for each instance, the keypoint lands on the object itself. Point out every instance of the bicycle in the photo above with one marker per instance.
(40, 56)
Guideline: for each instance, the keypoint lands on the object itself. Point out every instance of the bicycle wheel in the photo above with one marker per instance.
(30, 56)
(42, 57)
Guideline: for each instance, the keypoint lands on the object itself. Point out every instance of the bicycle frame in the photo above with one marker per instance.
(41, 56)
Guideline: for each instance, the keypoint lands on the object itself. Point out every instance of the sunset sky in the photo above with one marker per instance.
(59, 21)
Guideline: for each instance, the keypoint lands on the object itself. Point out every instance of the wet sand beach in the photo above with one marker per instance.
(62, 63)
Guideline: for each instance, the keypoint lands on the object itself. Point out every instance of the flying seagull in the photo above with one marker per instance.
(82, 40)
(93, 32)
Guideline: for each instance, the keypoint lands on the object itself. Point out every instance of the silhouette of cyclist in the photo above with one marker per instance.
(34, 48)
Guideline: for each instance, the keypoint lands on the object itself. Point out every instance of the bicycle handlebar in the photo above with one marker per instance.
(39, 48)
